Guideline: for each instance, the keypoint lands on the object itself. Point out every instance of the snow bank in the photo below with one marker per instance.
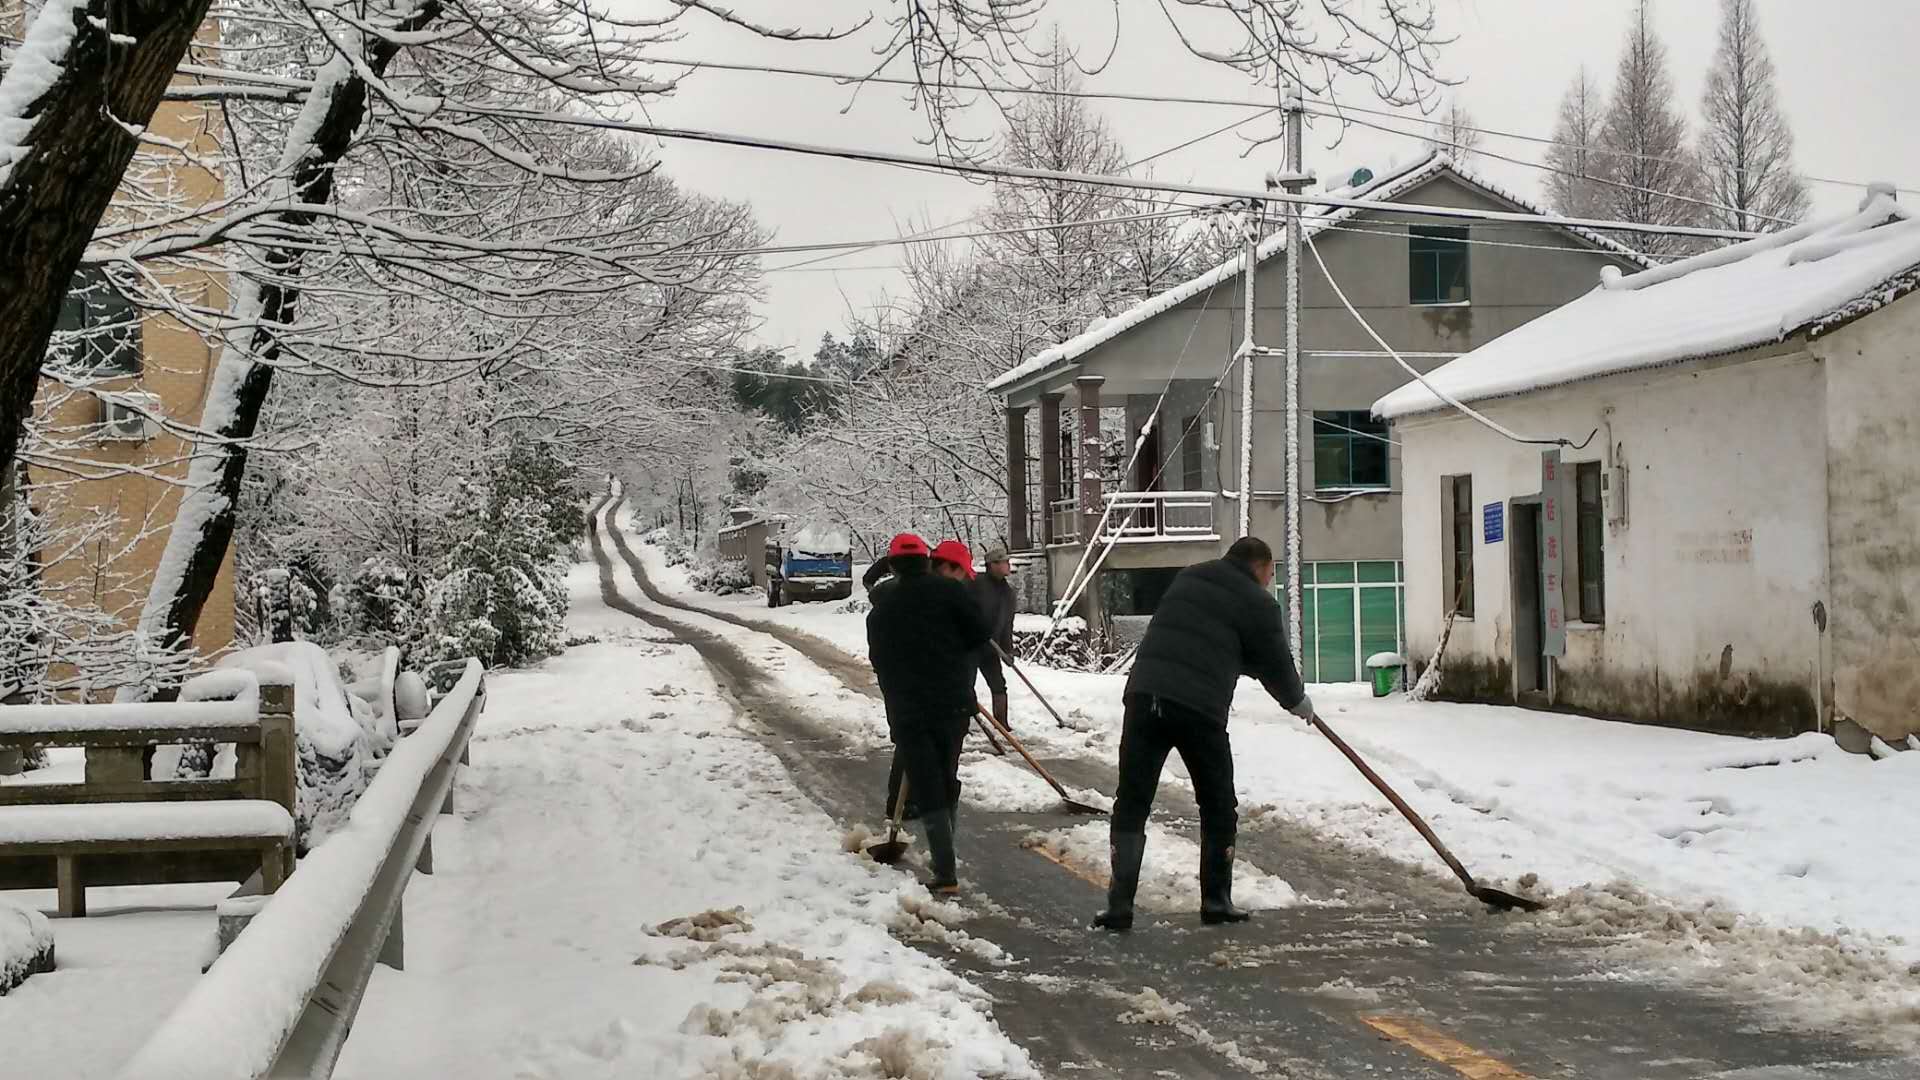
(26, 945)
(1006, 785)
(239, 1014)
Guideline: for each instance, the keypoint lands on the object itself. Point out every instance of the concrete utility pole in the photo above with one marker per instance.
(1250, 235)
(1295, 110)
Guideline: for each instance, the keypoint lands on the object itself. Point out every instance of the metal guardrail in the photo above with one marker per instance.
(1174, 515)
(281, 1000)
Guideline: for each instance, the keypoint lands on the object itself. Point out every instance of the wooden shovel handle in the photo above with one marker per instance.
(1037, 767)
(1008, 660)
(1398, 803)
(899, 809)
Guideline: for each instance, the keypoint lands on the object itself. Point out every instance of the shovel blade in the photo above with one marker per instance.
(1505, 901)
(1082, 808)
(887, 853)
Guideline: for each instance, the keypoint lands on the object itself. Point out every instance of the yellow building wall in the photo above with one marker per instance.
(139, 483)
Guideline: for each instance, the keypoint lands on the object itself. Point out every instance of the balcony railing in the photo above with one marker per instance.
(1142, 516)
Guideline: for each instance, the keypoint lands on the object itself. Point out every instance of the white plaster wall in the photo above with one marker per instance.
(1716, 452)
(1873, 428)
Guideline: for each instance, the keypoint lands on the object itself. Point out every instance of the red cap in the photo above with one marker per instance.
(906, 544)
(955, 552)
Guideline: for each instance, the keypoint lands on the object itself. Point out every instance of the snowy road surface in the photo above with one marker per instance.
(615, 790)
(1661, 985)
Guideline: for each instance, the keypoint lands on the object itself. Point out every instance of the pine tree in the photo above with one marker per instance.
(1746, 147)
(1574, 188)
(1650, 174)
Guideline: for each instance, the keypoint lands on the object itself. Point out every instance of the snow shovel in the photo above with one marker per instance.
(1073, 806)
(889, 852)
(998, 750)
(1008, 660)
(1486, 894)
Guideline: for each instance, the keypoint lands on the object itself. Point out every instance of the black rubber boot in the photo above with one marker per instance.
(938, 825)
(1216, 882)
(1127, 850)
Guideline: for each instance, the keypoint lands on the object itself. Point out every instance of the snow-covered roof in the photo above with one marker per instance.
(1385, 187)
(1759, 292)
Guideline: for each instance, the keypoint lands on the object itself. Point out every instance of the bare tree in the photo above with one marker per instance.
(1574, 187)
(1651, 174)
(1454, 132)
(1746, 146)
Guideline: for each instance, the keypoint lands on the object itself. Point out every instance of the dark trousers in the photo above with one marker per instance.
(1156, 726)
(990, 668)
(927, 752)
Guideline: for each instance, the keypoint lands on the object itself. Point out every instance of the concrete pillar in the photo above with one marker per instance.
(1017, 538)
(1049, 462)
(1091, 505)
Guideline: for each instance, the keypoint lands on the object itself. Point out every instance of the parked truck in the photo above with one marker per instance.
(814, 563)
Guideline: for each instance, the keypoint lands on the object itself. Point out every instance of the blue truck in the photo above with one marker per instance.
(815, 563)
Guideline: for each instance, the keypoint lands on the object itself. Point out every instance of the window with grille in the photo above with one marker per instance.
(1349, 450)
(1437, 264)
(1460, 543)
(1590, 522)
(100, 327)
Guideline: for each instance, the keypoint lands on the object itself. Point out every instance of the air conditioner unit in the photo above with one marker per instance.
(123, 418)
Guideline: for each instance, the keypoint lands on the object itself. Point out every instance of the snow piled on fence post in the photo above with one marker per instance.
(31, 72)
(237, 1017)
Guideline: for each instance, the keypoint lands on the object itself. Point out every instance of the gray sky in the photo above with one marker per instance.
(1845, 71)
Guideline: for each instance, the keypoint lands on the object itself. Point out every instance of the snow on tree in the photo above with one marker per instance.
(1651, 172)
(1746, 146)
(1454, 132)
(1575, 186)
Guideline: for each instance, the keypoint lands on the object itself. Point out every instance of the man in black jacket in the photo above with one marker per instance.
(923, 640)
(1216, 623)
(996, 602)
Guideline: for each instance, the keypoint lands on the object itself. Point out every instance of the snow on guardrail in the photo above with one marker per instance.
(240, 709)
(239, 1020)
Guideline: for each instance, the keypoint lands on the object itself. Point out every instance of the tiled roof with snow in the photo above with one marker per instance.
(1386, 187)
(1755, 293)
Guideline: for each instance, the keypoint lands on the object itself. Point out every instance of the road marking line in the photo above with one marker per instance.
(1444, 1048)
(1091, 877)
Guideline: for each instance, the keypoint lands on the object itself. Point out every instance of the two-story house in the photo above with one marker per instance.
(1433, 287)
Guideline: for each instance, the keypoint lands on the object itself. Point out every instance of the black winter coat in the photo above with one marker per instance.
(1214, 624)
(924, 640)
(996, 603)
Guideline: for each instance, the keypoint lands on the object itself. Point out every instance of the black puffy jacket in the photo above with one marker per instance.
(924, 638)
(1214, 624)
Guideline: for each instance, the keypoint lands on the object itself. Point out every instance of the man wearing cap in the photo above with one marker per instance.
(922, 641)
(995, 597)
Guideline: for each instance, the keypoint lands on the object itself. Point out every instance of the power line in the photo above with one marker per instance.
(846, 78)
(883, 157)
(1544, 167)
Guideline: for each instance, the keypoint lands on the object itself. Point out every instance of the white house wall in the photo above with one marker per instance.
(1873, 429)
(1710, 585)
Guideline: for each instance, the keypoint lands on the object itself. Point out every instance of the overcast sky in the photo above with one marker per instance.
(1846, 81)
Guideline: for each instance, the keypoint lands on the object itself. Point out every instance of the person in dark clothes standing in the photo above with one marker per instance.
(922, 641)
(996, 602)
(950, 559)
(1216, 623)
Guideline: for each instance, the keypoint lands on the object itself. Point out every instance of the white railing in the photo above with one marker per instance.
(281, 998)
(1164, 515)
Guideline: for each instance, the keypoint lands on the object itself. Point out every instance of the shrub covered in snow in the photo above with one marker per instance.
(287, 606)
(379, 602)
(1072, 647)
(335, 734)
(720, 576)
(673, 547)
(26, 945)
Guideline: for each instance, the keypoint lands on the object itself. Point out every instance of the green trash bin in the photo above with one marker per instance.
(1385, 669)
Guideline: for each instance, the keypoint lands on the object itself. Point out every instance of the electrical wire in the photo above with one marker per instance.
(853, 79)
(1422, 379)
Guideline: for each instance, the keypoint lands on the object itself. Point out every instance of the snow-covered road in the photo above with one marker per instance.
(614, 790)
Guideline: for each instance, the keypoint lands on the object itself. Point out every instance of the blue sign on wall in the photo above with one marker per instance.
(1496, 522)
